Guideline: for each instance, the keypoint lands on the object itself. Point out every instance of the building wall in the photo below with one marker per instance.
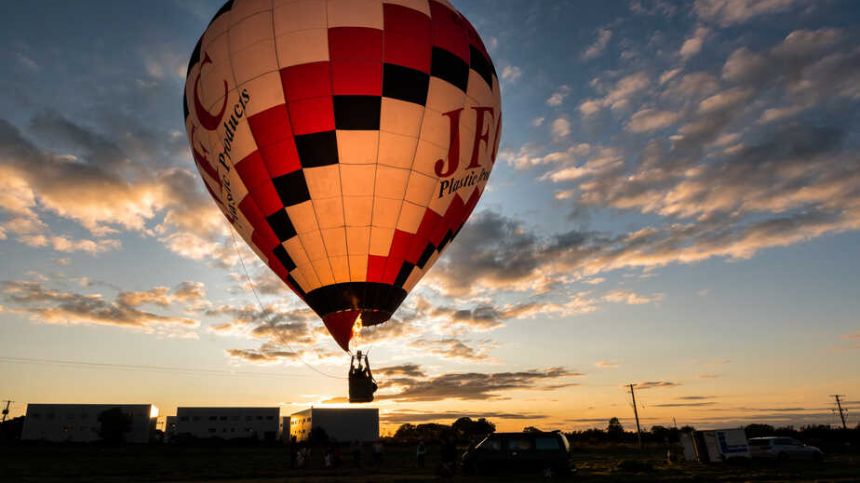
(79, 423)
(229, 423)
(300, 425)
(340, 424)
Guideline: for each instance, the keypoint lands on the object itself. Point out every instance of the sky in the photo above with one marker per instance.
(675, 205)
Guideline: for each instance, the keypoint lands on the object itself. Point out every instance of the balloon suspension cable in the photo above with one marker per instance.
(263, 309)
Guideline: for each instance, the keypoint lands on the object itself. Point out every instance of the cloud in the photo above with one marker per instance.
(780, 183)
(288, 334)
(560, 128)
(655, 384)
(631, 298)
(94, 182)
(51, 306)
(67, 245)
(490, 248)
(607, 364)
(647, 120)
(557, 98)
(604, 35)
(564, 195)
(403, 417)
(727, 13)
(530, 155)
(618, 97)
(191, 295)
(603, 161)
(653, 7)
(693, 44)
(453, 348)
(511, 73)
(263, 356)
(709, 376)
(684, 405)
(404, 370)
(473, 385)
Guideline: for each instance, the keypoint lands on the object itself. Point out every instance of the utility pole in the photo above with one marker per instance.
(636, 413)
(841, 411)
(6, 410)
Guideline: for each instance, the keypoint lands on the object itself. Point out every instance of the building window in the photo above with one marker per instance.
(223, 418)
(183, 418)
(213, 418)
(195, 418)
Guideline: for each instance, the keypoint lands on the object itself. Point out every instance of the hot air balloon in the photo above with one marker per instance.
(346, 141)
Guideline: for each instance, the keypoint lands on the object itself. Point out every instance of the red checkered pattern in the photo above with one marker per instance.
(333, 118)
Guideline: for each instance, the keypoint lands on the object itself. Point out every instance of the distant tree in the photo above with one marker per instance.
(471, 430)
(405, 433)
(114, 425)
(614, 430)
(318, 436)
(428, 432)
(687, 429)
(532, 429)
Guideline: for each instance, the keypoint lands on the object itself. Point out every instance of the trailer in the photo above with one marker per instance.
(715, 445)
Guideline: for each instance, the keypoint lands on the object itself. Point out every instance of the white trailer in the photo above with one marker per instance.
(715, 445)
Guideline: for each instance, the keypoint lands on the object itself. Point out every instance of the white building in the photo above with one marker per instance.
(79, 423)
(340, 424)
(229, 423)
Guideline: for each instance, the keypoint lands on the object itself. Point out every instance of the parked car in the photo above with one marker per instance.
(548, 453)
(783, 448)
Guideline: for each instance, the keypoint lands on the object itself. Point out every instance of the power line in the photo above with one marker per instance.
(140, 367)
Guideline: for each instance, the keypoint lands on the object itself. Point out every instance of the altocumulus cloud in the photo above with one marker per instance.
(48, 305)
(769, 126)
(411, 384)
(92, 181)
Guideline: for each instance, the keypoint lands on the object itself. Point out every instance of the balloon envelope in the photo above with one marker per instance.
(347, 141)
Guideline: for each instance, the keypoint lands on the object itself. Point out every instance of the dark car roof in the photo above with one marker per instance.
(526, 434)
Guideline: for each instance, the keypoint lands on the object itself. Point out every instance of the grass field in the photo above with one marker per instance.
(265, 464)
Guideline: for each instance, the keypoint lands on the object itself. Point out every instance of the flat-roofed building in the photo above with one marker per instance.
(79, 423)
(339, 424)
(229, 423)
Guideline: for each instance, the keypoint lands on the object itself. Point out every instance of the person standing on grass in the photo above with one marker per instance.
(420, 453)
